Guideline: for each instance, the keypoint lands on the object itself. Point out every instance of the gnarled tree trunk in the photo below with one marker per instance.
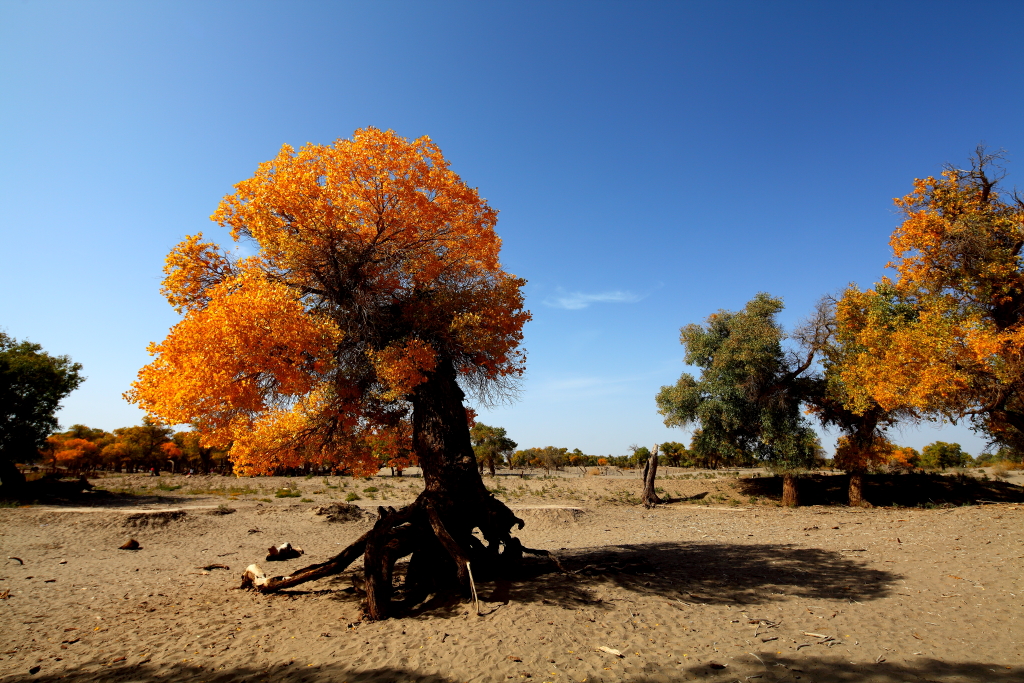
(437, 528)
(649, 497)
(789, 490)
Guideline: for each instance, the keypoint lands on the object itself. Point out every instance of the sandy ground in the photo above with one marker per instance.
(724, 590)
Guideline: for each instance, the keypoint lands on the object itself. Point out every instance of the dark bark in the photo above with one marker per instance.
(436, 529)
(789, 490)
(649, 497)
(11, 478)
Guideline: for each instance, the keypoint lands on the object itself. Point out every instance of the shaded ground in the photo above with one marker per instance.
(76, 492)
(903, 490)
(778, 669)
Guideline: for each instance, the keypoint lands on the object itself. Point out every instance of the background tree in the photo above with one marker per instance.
(377, 269)
(195, 455)
(747, 400)
(946, 338)
(491, 445)
(639, 455)
(674, 453)
(32, 385)
(393, 447)
(941, 455)
(142, 445)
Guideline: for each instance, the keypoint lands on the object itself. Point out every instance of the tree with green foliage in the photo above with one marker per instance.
(747, 400)
(491, 445)
(941, 455)
(32, 385)
(674, 453)
(143, 444)
(640, 455)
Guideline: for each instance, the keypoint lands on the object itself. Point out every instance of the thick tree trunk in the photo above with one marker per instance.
(789, 491)
(437, 529)
(11, 478)
(649, 497)
(857, 490)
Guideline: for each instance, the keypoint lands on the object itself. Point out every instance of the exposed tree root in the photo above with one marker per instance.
(438, 534)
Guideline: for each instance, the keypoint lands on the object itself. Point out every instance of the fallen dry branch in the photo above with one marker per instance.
(335, 565)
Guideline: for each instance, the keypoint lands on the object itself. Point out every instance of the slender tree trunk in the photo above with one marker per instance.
(789, 490)
(649, 497)
(857, 490)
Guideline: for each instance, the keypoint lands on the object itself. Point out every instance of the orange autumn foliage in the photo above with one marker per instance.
(881, 454)
(852, 457)
(946, 337)
(73, 453)
(374, 262)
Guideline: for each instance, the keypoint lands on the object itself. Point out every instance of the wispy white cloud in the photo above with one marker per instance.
(572, 301)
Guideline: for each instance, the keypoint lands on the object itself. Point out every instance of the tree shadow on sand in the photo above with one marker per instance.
(839, 669)
(706, 573)
(710, 573)
(903, 490)
(775, 669)
(80, 493)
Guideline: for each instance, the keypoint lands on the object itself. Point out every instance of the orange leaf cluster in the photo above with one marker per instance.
(946, 337)
(374, 263)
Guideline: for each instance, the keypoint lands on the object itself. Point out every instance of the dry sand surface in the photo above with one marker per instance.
(723, 590)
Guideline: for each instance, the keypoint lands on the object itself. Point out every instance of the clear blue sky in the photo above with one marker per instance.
(653, 162)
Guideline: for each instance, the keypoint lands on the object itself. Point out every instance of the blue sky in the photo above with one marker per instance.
(653, 162)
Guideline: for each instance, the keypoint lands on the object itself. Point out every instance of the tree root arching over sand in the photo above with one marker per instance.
(438, 534)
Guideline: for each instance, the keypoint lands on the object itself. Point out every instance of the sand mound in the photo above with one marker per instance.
(550, 516)
(142, 520)
(341, 512)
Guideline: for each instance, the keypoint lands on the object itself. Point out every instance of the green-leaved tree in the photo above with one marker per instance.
(747, 399)
(32, 385)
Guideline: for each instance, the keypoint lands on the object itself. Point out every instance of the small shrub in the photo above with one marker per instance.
(306, 500)
(287, 493)
(1003, 468)
(370, 489)
(352, 496)
(168, 487)
(265, 500)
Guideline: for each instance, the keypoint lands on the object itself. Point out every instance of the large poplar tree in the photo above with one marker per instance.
(946, 337)
(375, 296)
